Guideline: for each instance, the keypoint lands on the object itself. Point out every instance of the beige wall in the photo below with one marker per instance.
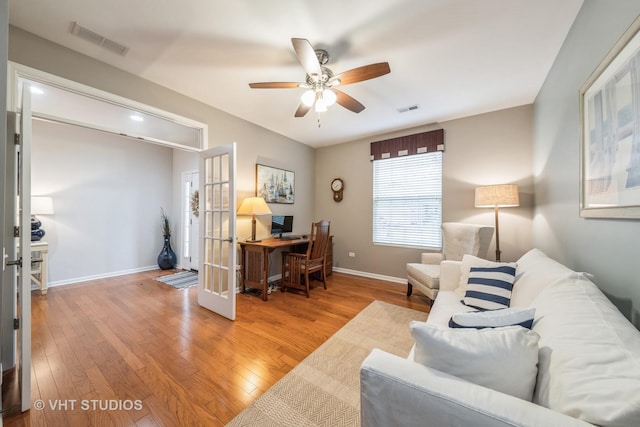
(607, 248)
(254, 143)
(486, 149)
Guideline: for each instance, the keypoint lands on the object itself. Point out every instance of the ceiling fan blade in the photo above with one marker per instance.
(302, 110)
(275, 85)
(365, 72)
(307, 57)
(348, 102)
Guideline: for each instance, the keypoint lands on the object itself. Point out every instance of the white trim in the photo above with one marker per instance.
(17, 71)
(102, 276)
(371, 275)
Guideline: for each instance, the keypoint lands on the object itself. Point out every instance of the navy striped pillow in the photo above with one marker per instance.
(489, 288)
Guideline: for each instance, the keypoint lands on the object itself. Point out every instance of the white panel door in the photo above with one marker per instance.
(216, 275)
(17, 349)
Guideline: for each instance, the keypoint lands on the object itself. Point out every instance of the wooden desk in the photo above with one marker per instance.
(255, 255)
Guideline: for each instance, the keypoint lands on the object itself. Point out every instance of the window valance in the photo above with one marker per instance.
(408, 145)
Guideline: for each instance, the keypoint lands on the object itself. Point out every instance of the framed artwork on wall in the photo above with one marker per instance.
(610, 133)
(275, 185)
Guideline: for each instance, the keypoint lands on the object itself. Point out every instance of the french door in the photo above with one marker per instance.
(216, 275)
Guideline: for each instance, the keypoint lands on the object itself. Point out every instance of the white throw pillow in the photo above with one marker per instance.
(535, 272)
(494, 318)
(469, 261)
(503, 359)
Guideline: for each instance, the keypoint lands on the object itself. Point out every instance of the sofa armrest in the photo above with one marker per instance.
(449, 275)
(398, 391)
(431, 258)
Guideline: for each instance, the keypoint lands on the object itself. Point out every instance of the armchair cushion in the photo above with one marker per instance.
(493, 358)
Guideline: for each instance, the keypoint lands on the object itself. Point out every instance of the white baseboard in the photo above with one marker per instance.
(370, 275)
(101, 276)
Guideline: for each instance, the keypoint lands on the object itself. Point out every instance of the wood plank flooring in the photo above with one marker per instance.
(105, 346)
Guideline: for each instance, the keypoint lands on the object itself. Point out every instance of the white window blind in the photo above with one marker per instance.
(407, 201)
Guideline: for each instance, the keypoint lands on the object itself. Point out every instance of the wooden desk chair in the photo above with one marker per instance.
(296, 267)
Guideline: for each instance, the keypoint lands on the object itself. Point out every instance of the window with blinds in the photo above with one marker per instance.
(407, 201)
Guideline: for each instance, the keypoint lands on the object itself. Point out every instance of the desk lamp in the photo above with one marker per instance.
(254, 206)
(497, 196)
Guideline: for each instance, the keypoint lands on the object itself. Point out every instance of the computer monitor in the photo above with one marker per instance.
(281, 224)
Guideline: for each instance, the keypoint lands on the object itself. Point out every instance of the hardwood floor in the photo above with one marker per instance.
(131, 341)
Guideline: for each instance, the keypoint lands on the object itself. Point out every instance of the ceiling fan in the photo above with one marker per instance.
(321, 82)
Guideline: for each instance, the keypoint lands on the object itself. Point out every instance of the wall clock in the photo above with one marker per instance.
(337, 186)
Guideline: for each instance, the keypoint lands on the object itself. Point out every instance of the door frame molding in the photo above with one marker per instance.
(18, 71)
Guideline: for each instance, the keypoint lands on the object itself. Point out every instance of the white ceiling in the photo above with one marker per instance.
(452, 58)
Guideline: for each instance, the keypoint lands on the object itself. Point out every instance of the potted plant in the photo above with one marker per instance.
(167, 258)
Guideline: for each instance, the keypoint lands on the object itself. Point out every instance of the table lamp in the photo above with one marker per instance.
(40, 205)
(254, 206)
(497, 196)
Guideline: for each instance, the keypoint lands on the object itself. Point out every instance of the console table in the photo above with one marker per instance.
(40, 266)
(254, 260)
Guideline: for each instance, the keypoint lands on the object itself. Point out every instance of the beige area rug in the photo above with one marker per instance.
(324, 389)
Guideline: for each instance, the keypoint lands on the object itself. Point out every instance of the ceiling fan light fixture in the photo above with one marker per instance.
(321, 105)
(329, 97)
(308, 98)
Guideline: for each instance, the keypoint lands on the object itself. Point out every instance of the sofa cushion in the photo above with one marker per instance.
(447, 303)
(489, 288)
(494, 318)
(503, 359)
(534, 272)
(469, 261)
(589, 355)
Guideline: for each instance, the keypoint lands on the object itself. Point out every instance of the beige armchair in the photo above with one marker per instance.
(458, 239)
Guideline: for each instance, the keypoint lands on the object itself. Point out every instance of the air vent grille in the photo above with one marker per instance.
(409, 108)
(95, 38)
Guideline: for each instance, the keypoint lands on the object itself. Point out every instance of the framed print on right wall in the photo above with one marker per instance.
(610, 133)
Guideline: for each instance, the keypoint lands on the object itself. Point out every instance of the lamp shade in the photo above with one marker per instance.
(502, 195)
(254, 206)
(41, 205)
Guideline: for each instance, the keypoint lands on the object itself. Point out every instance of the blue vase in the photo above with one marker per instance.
(167, 258)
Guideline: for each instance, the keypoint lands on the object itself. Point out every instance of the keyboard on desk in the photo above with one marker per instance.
(290, 237)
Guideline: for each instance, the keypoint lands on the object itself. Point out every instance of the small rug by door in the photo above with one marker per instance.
(182, 280)
(324, 389)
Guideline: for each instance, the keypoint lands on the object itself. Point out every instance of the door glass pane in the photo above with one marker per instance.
(208, 171)
(208, 226)
(217, 198)
(224, 159)
(225, 282)
(224, 225)
(225, 196)
(216, 169)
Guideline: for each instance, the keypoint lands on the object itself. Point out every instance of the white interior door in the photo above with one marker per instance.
(16, 344)
(194, 229)
(216, 275)
(190, 222)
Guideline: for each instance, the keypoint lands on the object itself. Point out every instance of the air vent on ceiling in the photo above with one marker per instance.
(95, 38)
(405, 109)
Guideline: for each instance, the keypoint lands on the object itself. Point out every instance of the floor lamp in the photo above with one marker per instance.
(253, 206)
(497, 196)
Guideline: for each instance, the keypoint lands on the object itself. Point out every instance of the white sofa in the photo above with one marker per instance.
(588, 361)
